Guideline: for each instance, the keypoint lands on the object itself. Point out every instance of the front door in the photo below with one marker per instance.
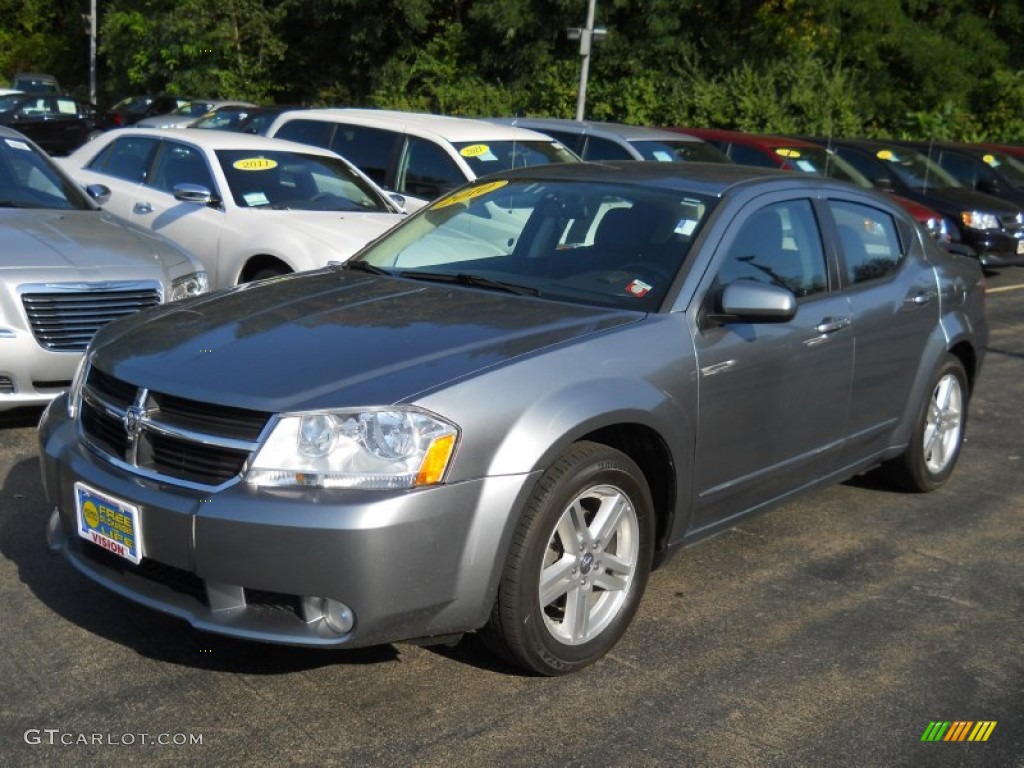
(773, 397)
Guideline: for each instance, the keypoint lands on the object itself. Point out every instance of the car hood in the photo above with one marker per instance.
(341, 233)
(334, 339)
(965, 199)
(89, 241)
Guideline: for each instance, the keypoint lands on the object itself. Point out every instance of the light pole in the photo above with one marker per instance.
(92, 51)
(587, 36)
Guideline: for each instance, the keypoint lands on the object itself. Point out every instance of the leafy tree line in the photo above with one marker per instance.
(905, 68)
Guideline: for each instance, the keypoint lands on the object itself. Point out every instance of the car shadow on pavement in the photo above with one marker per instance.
(74, 598)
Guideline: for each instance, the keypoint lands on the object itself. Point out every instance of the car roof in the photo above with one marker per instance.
(764, 140)
(443, 127)
(597, 128)
(704, 178)
(220, 139)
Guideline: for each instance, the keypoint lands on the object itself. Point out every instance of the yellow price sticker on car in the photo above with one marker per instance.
(468, 194)
(474, 150)
(989, 160)
(884, 154)
(254, 164)
(786, 152)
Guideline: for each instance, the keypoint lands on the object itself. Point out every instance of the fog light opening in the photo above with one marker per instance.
(338, 616)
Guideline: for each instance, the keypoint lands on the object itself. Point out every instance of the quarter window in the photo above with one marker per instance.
(869, 241)
(428, 172)
(781, 245)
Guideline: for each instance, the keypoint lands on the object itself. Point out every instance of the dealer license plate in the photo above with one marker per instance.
(108, 522)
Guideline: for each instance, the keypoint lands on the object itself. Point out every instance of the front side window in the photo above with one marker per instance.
(180, 164)
(869, 241)
(369, 149)
(126, 158)
(601, 244)
(602, 149)
(314, 132)
(780, 245)
(427, 171)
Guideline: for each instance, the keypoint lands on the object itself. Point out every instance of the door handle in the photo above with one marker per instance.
(142, 208)
(920, 299)
(832, 324)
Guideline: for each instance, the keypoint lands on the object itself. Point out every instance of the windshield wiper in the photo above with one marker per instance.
(364, 266)
(465, 278)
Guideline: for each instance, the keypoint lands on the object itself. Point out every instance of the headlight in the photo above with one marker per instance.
(191, 284)
(369, 449)
(75, 393)
(979, 220)
(938, 228)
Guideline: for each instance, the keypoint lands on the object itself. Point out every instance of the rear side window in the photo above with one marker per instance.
(126, 158)
(603, 149)
(869, 241)
(314, 132)
(369, 149)
(745, 155)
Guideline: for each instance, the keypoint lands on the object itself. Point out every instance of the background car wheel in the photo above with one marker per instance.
(938, 434)
(578, 563)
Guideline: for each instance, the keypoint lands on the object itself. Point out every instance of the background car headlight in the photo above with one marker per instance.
(365, 448)
(979, 220)
(191, 284)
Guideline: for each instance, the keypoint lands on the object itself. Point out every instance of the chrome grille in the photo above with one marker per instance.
(65, 317)
(1012, 223)
(167, 437)
(6, 385)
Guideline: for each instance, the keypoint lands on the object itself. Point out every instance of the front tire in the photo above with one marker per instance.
(938, 433)
(578, 563)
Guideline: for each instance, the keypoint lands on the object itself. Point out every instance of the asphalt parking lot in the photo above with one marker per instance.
(831, 632)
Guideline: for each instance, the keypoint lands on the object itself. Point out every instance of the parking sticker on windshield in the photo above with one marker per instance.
(254, 164)
(15, 144)
(468, 194)
(638, 288)
(252, 199)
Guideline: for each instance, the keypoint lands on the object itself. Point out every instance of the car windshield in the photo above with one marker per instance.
(224, 119)
(669, 151)
(602, 244)
(1007, 165)
(821, 161)
(915, 170)
(491, 156)
(28, 179)
(276, 180)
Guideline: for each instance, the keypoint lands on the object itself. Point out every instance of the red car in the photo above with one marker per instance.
(791, 154)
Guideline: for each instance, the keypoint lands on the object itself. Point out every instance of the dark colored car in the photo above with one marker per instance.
(57, 123)
(505, 411)
(134, 108)
(992, 228)
(984, 169)
(35, 82)
(791, 154)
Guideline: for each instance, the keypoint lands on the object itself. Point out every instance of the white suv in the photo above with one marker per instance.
(419, 156)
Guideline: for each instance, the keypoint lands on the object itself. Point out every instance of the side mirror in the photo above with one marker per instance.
(193, 193)
(98, 192)
(398, 200)
(751, 301)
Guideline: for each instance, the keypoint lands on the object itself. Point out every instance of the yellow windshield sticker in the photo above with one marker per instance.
(254, 164)
(989, 159)
(468, 194)
(474, 150)
(786, 152)
(884, 154)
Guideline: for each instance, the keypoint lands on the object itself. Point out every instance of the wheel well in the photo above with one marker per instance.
(967, 356)
(257, 264)
(646, 447)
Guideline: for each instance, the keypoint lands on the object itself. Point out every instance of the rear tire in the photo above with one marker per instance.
(938, 432)
(578, 564)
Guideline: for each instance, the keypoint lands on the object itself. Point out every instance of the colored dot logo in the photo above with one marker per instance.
(91, 514)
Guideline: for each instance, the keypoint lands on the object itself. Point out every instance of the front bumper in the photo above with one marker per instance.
(257, 563)
(29, 374)
(994, 249)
